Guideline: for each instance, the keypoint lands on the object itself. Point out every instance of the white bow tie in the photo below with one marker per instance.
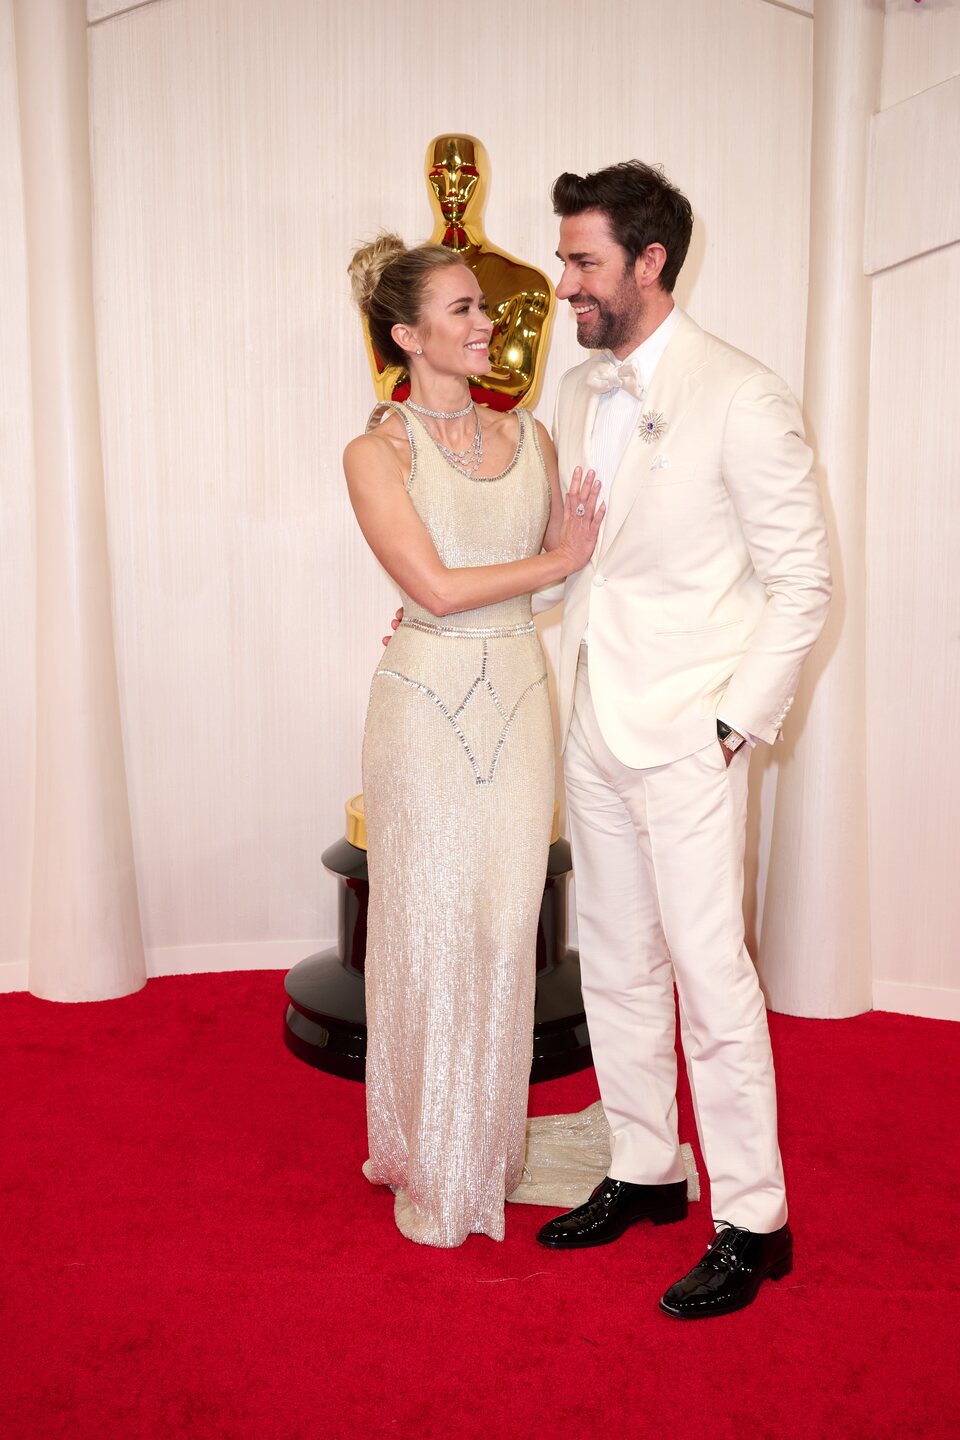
(605, 375)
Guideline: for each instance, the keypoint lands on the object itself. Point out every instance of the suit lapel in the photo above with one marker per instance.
(583, 411)
(674, 385)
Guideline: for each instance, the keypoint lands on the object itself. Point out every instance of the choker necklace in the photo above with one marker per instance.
(441, 414)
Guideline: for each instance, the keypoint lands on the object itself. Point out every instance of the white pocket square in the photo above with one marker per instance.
(659, 463)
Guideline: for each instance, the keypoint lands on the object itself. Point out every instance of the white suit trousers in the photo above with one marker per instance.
(658, 860)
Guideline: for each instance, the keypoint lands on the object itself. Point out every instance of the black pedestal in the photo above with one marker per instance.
(325, 1023)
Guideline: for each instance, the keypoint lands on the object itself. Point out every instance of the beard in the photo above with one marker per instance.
(617, 320)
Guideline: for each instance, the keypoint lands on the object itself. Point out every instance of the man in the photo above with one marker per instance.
(681, 645)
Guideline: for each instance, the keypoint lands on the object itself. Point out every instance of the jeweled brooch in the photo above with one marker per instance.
(652, 426)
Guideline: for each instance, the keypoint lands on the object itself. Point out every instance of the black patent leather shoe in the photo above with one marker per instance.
(611, 1209)
(730, 1274)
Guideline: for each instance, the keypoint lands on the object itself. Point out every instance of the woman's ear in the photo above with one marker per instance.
(406, 337)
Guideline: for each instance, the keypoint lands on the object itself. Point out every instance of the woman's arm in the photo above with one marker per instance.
(552, 536)
(401, 542)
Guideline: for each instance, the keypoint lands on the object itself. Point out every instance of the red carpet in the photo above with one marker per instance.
(188, 1249)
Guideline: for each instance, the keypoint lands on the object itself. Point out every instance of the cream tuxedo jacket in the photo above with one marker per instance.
(710, 581)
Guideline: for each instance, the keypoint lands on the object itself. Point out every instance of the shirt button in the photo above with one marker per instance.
(599, 579)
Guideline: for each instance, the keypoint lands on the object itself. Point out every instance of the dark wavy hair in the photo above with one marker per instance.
(642, 208)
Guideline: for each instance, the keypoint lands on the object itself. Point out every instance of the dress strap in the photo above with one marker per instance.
(376, 418)
(531, 425)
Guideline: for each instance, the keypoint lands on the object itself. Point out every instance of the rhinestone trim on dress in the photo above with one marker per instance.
(453, 716)
(463, 632)
(376, 419)
(483, 479)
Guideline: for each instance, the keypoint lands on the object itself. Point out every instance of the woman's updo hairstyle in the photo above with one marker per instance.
(388, 282)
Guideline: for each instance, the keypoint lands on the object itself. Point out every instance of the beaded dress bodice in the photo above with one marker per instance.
(483, 521)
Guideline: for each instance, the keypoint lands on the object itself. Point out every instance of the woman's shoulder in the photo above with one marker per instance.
(388, 418)
(505, 422)
(500, 422)
(541, 432)
(508, 428)
(385, 440)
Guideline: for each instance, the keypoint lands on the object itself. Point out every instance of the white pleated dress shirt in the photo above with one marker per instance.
(618, 412)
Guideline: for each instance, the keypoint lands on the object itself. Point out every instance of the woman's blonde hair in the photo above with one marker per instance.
(388, 282)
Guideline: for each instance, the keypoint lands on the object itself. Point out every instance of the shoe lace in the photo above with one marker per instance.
(725, 1251)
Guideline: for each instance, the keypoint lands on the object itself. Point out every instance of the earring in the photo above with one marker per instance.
(418, 351)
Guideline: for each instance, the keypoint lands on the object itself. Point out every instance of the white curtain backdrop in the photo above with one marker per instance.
(239, 151)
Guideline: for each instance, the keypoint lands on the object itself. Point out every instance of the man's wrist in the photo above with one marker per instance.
(730, 739)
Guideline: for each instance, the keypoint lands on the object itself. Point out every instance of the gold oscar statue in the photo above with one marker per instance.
(519, 298)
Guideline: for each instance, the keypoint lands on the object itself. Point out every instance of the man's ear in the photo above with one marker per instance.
(648, 266)
(406, 338)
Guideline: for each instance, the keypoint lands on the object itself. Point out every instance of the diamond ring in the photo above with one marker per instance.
(581, 510)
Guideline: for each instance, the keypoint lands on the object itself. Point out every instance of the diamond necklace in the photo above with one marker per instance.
(467, 461)
(441, 414)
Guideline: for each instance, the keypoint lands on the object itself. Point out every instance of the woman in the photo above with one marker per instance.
(462, 507)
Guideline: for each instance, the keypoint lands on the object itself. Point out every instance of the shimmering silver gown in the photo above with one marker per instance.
(458, 783)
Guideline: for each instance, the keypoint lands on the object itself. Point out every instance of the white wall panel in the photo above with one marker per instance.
(17, 604)
(913, 700)
(921, 47)
(913, 195)
(913, 513)
(240, 150)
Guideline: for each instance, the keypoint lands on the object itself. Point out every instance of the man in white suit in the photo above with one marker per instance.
(681, 645)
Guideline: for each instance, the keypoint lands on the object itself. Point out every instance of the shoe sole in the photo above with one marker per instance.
(778, 1271)
(669, 1217)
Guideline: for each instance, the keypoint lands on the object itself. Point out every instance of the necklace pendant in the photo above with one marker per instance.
(465, 462)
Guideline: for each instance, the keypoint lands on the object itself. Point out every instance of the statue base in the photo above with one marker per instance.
(325, 1021)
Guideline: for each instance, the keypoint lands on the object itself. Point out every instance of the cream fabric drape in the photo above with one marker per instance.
(815, 945)
(17, 555)
(84, 940)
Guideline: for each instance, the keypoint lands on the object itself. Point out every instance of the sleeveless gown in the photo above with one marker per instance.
(458, 783)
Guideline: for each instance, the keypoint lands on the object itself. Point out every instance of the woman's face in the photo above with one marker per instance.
(454, 328)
